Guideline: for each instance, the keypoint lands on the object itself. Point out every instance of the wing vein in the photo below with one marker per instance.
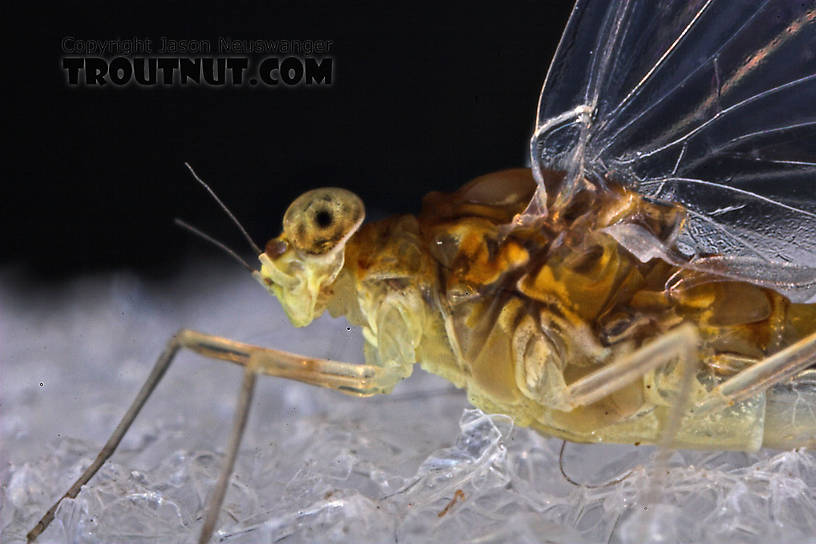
(667, 53)
(737, 190)
(669, 92)
(728, 233)
(727, 111)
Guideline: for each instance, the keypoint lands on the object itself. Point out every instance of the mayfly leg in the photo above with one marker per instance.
(679, 342)
(162, 363)
(353, 379)
(760, 376)
(241, 417)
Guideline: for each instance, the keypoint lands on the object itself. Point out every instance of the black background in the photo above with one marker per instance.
(422, 99)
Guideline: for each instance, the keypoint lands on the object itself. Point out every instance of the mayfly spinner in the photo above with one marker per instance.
(650, 279)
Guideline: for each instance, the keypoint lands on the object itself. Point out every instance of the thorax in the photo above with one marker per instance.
(470, 297)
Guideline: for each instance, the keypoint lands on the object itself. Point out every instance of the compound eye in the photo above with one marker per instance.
(321, 220)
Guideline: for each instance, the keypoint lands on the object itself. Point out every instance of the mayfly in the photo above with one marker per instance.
(651, 278)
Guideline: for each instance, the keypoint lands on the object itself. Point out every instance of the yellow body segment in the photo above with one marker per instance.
(516, 312)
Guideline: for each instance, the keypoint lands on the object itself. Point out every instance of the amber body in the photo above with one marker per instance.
(515, 312)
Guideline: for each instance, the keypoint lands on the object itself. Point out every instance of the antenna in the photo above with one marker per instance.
(213, 241)
(226, 210)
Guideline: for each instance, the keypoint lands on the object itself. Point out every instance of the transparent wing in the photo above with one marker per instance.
(709, 103)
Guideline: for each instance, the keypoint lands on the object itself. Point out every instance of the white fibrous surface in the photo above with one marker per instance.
(419, 465)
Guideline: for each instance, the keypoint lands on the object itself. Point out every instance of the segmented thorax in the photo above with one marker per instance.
(516, 312)
(531, 308)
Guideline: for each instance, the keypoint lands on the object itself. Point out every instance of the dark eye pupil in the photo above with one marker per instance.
(323, 218)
